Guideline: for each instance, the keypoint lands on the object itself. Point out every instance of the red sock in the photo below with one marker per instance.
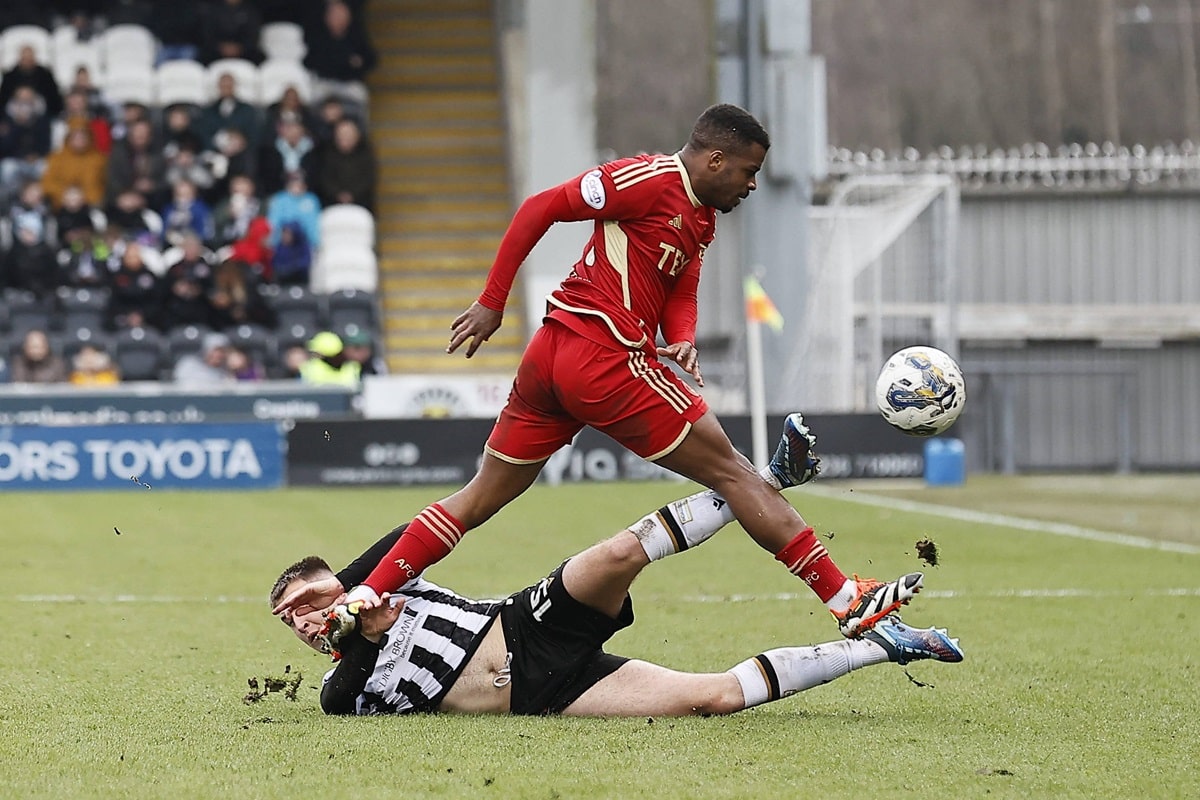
(428, 539)
(808, 560)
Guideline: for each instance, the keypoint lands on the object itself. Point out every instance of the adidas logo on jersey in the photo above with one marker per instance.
(677, 222)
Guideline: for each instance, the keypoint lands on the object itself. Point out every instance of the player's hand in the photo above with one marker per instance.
(477, 323)
(312, 596)
(374, 622)
(686, 356)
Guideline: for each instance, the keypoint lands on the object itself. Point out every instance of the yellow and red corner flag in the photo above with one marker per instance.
(759, 307)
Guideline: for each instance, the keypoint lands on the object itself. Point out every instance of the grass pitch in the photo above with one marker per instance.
(129, 653)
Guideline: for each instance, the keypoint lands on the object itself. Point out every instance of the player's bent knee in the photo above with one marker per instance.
(625, 550)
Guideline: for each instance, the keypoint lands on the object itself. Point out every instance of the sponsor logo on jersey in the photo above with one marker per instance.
(592, 189)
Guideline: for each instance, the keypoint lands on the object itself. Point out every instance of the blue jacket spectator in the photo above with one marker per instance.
(295, 204)
(293, 256)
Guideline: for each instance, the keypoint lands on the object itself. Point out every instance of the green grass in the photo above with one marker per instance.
(134, 688)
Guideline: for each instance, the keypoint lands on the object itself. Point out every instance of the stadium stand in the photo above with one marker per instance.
(130, 77)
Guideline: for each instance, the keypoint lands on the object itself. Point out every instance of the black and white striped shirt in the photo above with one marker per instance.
(417, 660)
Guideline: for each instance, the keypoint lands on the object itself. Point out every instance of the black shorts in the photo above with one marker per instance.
(555, 642)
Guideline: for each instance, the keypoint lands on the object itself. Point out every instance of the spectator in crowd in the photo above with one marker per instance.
(292, 361)
(177, 26)
(330, 112)
(360, 348)
(291, 150)
(207, 367)
(28, 72)
(186, 213)
(137, 164)
(340, 55)
(346, 168)
(86, 261)
(129, 214)
(233, 213)
(78, 114)
(76, 218)
(186, 287)
(291, 261)
(295, 204)
(227, 112)
(327, 364)
(231, 29)
(243, 367)
(77, 163)
(92, 366)
(36, 362)
(97, 104)
(235, 298)
(136, 291)
(24, 140)
(131, 112)
(179, 126)
(290, 104)
(231, 145)
(186, 163)
(30, 260)
(254, 249)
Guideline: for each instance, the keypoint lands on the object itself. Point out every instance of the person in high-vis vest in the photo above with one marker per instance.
(328, 365)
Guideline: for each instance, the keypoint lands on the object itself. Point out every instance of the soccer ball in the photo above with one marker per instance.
(920, 391)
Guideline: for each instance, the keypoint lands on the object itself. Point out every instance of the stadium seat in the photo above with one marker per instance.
(276, 75)
(128, 46)
(351, 307)
(346, 224)
(255, 341)
(245, 76)
(82, 308)
(283, 40)
(181, 82)
(72, 341)
(13, 38)
(296, 305)
(185, 340)
(139, 354)
(26, 312)
(70, 55)
(345, 267)
(129, 83)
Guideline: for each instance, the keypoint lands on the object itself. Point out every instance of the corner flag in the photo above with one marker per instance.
(759, 307)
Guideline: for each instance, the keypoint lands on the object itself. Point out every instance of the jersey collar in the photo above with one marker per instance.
(687, 181)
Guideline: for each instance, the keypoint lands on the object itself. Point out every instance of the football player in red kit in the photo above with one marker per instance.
(595, 362)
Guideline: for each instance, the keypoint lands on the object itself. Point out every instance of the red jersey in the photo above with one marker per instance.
(639, 271)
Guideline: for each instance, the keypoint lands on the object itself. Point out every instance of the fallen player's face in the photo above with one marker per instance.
(307, 627)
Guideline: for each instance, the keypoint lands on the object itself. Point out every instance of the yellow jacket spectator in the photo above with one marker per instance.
(328, 364)
(77, 163)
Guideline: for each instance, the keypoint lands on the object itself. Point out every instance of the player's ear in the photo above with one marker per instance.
(716, 158)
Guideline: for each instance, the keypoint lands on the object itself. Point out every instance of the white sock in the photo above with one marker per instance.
(784, 671)
(682, 524)
(845, 596)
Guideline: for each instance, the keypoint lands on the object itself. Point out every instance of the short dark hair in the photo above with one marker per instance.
(306, 568)
(727, 127)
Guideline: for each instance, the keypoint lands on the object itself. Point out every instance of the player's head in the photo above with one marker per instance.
(306, 626)
(725, 151)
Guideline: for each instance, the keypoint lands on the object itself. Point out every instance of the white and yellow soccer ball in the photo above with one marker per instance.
(920, 391)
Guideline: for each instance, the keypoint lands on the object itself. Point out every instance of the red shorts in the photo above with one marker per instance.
(566, 381)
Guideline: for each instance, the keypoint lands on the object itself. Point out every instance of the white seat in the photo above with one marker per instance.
(18, 36)
(344, 267)
(70, 55)
(127, 83)
(245, 76)
(347, 224)
(284, 40)
(277, 74)
(181, 82)
(128, 45)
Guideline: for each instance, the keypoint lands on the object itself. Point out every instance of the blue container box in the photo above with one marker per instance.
(945, 462)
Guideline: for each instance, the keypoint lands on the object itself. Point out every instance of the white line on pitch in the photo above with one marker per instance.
(986, 518)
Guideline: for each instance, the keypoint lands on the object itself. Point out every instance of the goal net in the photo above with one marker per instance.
(880, 276)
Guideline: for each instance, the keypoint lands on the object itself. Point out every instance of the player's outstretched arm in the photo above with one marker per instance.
(477, 323)
(324, 592)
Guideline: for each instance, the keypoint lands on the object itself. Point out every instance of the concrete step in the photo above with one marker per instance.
(441, 363)
(470, 243)
(437, 264)
(396, 282)
(436, 341)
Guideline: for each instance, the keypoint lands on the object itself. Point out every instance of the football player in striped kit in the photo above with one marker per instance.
(426, 648)
(594, 361)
